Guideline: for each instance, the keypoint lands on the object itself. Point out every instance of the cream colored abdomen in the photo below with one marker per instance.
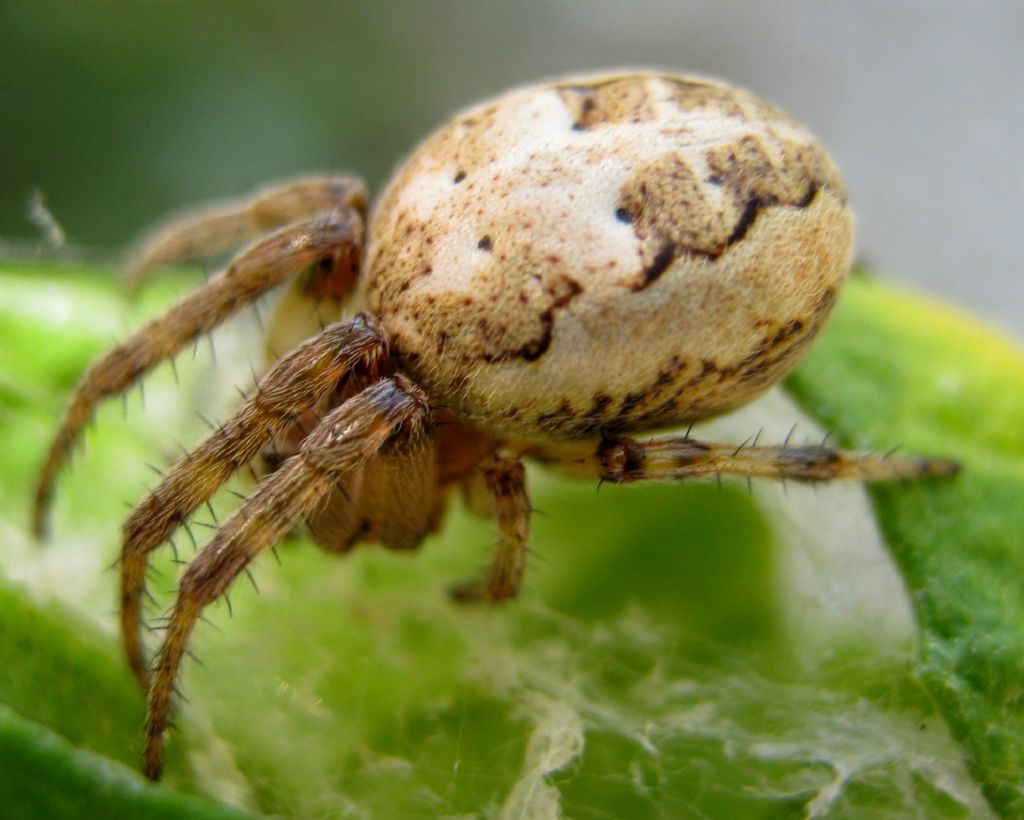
(608, 253)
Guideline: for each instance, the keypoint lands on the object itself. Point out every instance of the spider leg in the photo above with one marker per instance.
(343, 441)
(671, 458)
(219, 226)
(505, 480)
(296, 385)
(334, 242)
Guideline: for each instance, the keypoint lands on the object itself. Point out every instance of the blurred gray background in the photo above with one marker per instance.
(120, 111)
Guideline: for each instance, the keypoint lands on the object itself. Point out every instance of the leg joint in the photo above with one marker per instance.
(621, 460)
(505, 477)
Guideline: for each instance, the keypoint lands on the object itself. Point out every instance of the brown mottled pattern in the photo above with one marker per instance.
(614, 101)
(702, 97)
(667, 202)
(542, 259)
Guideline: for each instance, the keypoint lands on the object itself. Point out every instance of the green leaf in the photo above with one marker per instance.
(680, 650)
(895, 371)
(43, 775)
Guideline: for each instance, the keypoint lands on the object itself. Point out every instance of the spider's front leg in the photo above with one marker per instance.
(296, 385)
(333, 242)
(672, 458)
(343, 441)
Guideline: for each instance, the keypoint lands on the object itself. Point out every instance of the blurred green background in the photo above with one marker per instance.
(119, 111)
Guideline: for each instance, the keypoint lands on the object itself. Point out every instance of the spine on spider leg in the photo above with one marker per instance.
(296, 385)
(344, 439)
(252, 274)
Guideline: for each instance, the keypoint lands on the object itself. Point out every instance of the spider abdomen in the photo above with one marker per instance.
(608, 252)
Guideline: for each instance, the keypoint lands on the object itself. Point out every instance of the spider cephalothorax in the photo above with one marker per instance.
(549, 272)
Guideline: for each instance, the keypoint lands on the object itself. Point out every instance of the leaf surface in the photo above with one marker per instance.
(665, 660)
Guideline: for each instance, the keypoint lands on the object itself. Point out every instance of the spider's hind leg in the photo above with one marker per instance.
(622, 460)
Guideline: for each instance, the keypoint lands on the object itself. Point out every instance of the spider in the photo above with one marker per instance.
(550, 273)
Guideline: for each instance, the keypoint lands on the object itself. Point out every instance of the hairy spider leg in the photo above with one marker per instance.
(343, 441)
(672, 458)
(505, 482)
(217, 227)
(299, 383)
(334, 241)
